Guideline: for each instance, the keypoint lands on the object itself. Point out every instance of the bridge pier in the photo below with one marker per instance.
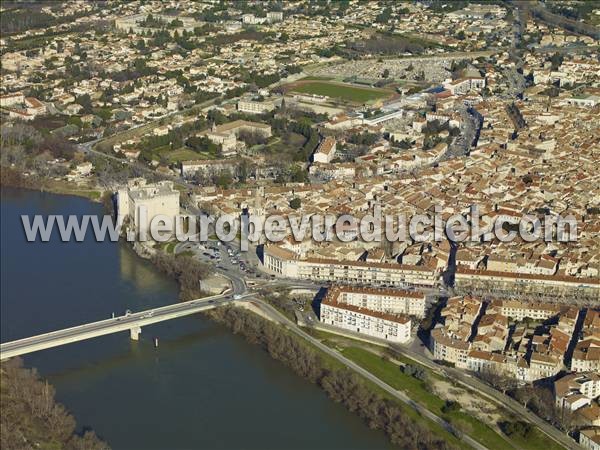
(135, 332)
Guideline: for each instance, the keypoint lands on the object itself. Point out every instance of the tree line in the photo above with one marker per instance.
(32, 419)
(23, 148)
(341, 385)
(185, 270)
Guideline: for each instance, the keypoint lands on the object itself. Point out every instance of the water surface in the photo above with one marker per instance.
(203, 388)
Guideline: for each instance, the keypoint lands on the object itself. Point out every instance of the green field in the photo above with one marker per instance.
(536, 440)
(419, 391)
(341, 91)
(182, 154)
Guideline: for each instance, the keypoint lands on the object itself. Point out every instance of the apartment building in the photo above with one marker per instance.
(537, 367)
(590, 438)
(492, 333)
(451, 340)
(448, 346)
(391, 327)
(586, 356)
(285, 263)
(486, 361)
(488, 343)
(520, 310)
(542, 365)
(464, 85)
(255, 107)
(468, 280)
(274, 16)
(576, 390)
(15, 98)
(381, 300)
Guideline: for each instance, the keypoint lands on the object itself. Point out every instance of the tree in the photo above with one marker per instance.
(252, 138)
(75, 120)
(384, 16)
(86, 102)
(556, 60)
(518, 428)
(224, 179)
(414, 371)
(242, 171)
(450, 406)
(386, 73)
(203, 144)
(30, 414)
(186, 270)
(298, 175)
(295, 203)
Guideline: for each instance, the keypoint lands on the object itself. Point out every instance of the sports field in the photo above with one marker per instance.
(340, 91)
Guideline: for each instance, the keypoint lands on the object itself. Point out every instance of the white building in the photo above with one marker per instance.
(207, 166)
(590, 438)
(585, 100)
(255, 107)
(285, 263)
(390, 301)
(464, 85)
(577, 390)
(325, 151)
(518, 310)
(586, 356)
(394, 328)
(227, 141)
(16, 98)
(274, 16)
(140, 203)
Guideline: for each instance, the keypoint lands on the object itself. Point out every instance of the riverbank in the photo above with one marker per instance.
(186, 393)
(341, 384)
(31, 418)
(12, 178)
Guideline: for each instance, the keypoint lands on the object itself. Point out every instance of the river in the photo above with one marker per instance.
(202, 388)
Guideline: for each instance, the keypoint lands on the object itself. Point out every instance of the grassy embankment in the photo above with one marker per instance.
(298, 356)
(390, 373)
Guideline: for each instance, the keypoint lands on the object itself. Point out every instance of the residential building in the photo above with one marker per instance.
(576, 390)
(586, 356)
(256, 107)
(590, 438)
(285, 263)
(325, 151)
(410, 303)
(391, 327)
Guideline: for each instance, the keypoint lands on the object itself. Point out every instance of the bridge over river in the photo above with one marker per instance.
(132, 322)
